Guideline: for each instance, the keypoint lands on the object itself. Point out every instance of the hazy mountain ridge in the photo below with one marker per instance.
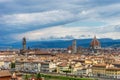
(105, 42)
(80, 42)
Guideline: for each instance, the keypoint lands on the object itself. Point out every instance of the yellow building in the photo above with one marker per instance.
(113, 73)
(61, 67)
(99, 70)
(1, 63)
(106, 70)
(77, 66)
(88, 61)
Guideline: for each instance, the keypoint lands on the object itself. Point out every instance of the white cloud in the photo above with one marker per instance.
(20, 16)
(44, 33)
(106, 13)
(62, 32)
(37, 18)
(81, 12)
(113, 35)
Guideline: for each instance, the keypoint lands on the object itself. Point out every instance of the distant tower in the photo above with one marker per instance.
(74, 46)
(24, 43)
(95, 44)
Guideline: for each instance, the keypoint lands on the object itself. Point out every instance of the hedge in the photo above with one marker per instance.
(64, 77)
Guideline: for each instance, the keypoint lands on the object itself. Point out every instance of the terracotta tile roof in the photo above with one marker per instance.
(5, 73)
(99, 65)
(63, 65)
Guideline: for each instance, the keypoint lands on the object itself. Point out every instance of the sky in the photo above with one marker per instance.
(58, 19)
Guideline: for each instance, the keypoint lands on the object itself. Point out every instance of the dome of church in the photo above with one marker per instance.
(94, 42)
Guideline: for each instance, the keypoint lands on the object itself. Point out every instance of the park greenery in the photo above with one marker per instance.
(53, 77)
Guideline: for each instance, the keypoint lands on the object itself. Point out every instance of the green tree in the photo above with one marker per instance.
(12, 65)
(70, 68)
(67, 71)
(26, 77)
(38, 76)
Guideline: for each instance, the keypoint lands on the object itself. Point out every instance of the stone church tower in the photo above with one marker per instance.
(24, 43)
(74, 46)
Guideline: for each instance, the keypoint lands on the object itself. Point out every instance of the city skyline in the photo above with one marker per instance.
(51, 19)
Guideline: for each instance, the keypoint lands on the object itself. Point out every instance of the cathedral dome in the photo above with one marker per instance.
(94, 42)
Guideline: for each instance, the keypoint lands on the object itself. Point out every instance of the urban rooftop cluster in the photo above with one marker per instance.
(93, 62)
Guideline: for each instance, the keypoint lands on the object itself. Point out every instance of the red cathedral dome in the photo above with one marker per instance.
(95, 42)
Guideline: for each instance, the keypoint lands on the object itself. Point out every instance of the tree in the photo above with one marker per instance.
(39, 77)
(67, 71)
(12, 65)
(26, 77)
(70, 67)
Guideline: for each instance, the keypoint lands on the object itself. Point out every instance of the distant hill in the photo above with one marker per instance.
(105, 42)
(115, 46)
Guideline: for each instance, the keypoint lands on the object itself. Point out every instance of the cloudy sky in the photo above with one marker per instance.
(59, 19)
